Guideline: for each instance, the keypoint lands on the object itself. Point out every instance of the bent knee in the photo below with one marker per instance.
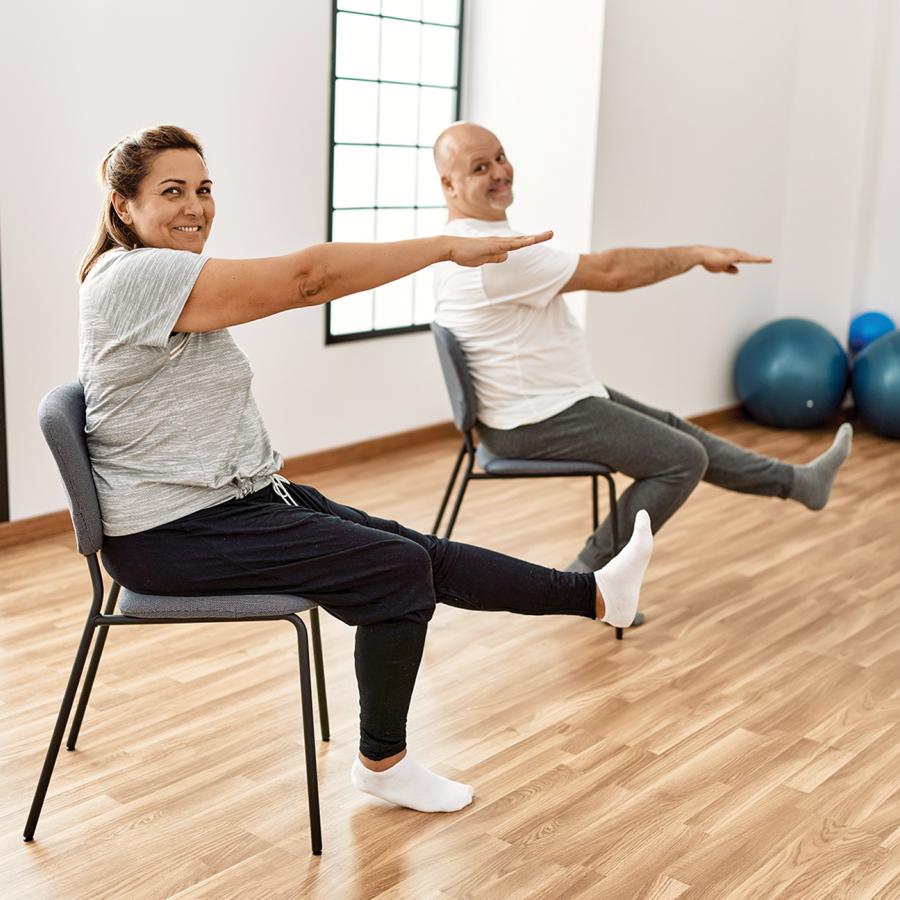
(412, 579)
(410, 560)
(695, 459)
(393, 583)
(409, 564)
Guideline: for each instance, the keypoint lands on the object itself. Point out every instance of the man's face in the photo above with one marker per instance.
(479, 181)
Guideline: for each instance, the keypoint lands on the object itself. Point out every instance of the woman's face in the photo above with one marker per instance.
(174, 207)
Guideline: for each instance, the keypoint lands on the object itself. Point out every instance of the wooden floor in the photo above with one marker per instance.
(744, 743)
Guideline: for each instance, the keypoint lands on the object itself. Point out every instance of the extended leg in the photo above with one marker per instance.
(730, 466)
(666, 463)
(471, 577)
(736, 469)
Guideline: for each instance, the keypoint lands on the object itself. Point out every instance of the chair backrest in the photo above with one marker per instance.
(61, 416)
(457, 377)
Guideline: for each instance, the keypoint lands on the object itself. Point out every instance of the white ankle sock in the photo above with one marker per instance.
(620, 579)
(408, 784)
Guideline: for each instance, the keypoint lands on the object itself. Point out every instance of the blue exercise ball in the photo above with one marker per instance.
(876, 385)
(868, 327)
(791, 373)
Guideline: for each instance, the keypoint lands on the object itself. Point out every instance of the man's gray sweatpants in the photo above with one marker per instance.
(665, 455)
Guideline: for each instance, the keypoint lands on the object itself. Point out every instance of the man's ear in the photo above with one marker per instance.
(447, 185)
(122, 208)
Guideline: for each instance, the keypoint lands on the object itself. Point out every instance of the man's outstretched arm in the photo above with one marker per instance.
(632, 267)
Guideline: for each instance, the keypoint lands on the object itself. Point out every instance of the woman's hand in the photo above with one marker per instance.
(478, 251)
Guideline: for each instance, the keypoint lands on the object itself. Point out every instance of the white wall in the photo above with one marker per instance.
(533, 77)
(694, 118)
(876, 284)
(770, 126)
(835, 120)
(253, 82)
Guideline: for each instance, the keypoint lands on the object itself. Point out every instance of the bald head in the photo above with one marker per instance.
(475, 174)
(457, 138)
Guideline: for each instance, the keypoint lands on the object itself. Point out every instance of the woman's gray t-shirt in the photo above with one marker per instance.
(171, 427)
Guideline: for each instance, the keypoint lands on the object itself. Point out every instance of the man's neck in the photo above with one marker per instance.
(459, 214)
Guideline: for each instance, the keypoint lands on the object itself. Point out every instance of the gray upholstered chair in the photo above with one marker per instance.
(62, 418)
(463, 402)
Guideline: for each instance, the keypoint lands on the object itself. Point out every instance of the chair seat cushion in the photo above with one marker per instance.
(238, 606)
(498, 465)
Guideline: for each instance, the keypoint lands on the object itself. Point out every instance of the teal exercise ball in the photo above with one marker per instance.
(875, 383)
(791, 373)
(868, 327)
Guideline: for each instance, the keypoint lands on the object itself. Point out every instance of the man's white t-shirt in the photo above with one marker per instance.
(528, 356)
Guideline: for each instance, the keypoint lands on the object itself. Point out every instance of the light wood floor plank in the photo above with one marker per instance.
(744, 743)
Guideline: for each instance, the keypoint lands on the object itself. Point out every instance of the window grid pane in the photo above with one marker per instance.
(395, 85)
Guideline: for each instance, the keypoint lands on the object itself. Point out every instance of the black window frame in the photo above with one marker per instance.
(404, 329)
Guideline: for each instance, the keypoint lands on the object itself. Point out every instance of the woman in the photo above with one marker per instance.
(186, 476)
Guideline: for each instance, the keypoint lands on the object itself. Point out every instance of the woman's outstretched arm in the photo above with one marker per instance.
(232, 291)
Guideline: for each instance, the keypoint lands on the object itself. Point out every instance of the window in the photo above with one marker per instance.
(395, 82)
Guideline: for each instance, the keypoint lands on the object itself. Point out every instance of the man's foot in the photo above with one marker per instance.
(619, 581)
(812, 482)
(408, 784)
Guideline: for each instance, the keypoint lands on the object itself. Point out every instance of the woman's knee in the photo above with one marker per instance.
(410, 560)
(410, 581)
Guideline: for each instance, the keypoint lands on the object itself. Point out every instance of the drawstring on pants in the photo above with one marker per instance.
(278, 485)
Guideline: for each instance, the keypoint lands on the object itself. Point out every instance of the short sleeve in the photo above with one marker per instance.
(533, 275)
(140, 293)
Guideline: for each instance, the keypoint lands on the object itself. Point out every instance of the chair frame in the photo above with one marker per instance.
(100, 622)
(467, 450)
(464, 417)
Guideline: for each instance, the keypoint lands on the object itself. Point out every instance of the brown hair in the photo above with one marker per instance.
(122, 171)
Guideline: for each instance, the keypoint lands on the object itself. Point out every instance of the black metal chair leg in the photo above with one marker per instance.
(595, 501)
(53, 750)
(312, 782)
(320, 673)
(613, 513)
(94, 664)
(459, 499)
(450, 484)
(614, 523)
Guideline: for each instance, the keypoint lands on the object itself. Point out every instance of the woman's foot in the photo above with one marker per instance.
(619, 581)
(639, 619)
(408, 784)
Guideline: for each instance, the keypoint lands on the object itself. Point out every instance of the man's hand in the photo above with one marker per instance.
(633, 267)
(726, 259)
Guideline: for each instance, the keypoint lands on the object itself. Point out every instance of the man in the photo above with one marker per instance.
(537, 395)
